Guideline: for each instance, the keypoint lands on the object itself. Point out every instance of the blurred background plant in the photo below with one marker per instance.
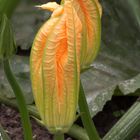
(116, 71)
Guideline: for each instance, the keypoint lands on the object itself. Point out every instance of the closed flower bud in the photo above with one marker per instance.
(89, 11)
(7, 44)
(55, 67)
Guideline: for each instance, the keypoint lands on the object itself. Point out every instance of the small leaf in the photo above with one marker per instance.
(7, 44)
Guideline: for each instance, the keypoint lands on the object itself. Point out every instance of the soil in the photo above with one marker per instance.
(104, 120)
(10, 120)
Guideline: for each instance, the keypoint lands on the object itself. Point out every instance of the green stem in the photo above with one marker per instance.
(127, 126)
(20, 101)
(85, 116)
(78, 133)
(59, 137)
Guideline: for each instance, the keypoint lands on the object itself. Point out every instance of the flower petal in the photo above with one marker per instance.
(89, 14)
(51, 6)
(36, 62)
(61, 72)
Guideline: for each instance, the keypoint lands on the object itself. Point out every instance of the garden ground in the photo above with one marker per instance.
(104, 120)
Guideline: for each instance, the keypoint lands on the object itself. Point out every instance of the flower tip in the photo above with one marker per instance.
(38, 6)
(51, 6)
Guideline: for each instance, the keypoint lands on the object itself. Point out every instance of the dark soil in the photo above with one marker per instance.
(113, 110)
(10, 120)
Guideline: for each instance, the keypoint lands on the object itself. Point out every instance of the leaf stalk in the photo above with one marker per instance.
(20, 100)
(86, 117)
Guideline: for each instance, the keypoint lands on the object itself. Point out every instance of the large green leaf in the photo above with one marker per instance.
(118, 62)
(117, 66)
(20, 67)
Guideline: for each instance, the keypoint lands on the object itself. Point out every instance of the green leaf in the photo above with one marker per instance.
(118, 62)
(7, 44)
(20, 66)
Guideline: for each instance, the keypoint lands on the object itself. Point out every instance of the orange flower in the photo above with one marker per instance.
(55, 67)
(89, 11)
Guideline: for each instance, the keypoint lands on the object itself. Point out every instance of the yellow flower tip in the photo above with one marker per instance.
(51, 6)
(57, 12)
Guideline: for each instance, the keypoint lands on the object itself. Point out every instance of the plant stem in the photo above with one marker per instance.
(78, 133)
(59, 137)
(85, 116)
(20, 101)
(127, 126)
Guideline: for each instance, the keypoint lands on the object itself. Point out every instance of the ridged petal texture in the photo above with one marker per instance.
(89, 11)
(55, 68)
